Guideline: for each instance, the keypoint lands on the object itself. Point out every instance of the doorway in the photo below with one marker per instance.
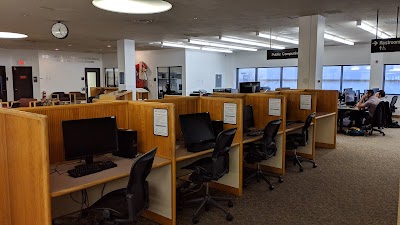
(92, 79)
(3, 84)
(22, 82)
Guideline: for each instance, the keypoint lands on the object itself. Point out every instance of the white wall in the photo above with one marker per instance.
(110, 60)
(161, 58)
(201, 68)
(10, 58)
(62, 71)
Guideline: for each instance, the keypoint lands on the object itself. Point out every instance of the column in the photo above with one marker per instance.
(311, 52)
(377, 67)
(126, 66)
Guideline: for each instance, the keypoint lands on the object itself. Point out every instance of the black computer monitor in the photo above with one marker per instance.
(249, 87)
(196, 128)
(347, 89)
(88, 137)
(375, 90)
(248, 117)
(349, 97)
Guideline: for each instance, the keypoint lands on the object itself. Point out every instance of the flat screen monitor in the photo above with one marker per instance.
(349, 97)
(358, 95)
(248, 117)
(249, 87)
(375, 90)
(88, 137)
(196, 128)
(347, 89)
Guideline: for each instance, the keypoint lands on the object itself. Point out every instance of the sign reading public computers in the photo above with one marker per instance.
(292, 53)
(385, 45)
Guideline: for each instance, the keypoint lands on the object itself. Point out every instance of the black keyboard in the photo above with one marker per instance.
(86, 169)
(254, 133)
(201, 147)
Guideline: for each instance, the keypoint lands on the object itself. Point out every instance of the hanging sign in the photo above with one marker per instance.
(385, 45)
(291, 53)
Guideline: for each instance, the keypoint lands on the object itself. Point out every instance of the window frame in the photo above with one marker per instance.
(384, 78)
(341, 73)
(256, 73)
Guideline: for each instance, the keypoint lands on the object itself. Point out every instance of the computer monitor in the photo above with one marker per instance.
(375, 90)
(219, 90)
(196, 128)
(248, 117)
(358, 95)
(349, 97)
(249, 87)
(88, 137)
(347, 89)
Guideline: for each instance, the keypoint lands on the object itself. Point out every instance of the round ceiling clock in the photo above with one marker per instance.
(59, 30)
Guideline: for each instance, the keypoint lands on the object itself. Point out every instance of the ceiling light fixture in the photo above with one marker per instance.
(250, 42)
(56, 49)
(277, 38)
(206, 43)
(179, 45)
(337, 39)
(367, 27)
(216, 50)
(12, 35)
(133, 6)
(108, 46)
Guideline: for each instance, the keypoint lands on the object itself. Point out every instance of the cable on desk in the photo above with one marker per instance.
(102, 191)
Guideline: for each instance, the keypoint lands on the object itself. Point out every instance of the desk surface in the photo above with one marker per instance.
(320, 115)
(61, 184)
(182, 154)
(347, 108)
(249, 139)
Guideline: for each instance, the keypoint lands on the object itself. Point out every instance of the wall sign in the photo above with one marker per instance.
(292, 53)
(274, 106)
(230, 113)
(385, 45)
(160, 122)
(305, 102)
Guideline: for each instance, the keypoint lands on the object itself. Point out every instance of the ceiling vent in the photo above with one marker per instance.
(335, 11)
(142, 21)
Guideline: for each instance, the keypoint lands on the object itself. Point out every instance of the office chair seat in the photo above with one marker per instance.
(203, 166)
(117, 200)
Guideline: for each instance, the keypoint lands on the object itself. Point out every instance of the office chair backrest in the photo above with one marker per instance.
(270, 132)
(378, 119)
(137, 189)
(307, 125)
(387, 114)
(220, 156)
(393, 103)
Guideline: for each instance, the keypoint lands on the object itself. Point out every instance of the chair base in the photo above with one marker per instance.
(377, 130)
(208, 201)
(298, 160)
(259, 174)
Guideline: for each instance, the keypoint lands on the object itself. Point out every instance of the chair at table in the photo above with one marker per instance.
(263, 150)
(293, 141)
(124, 206)
(393, 103)
(61, 96)
(378, 120)
(210, 169)
(77, 97)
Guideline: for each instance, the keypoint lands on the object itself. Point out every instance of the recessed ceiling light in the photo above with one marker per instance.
(251, 42)
(56, 49)
(216, 50)
(195, 18)
(133, 6)
(373, 30)
(212, 44)
(278, 38)
(108, 46)
(179, 45)
(69, 45)
(338, 39)
(12, 35)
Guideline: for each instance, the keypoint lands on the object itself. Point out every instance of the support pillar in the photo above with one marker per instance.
(311, 52)
(126, 66)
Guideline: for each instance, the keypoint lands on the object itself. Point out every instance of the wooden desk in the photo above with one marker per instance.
(62, 186)
(342, 110)
(230, 182)
(325, 130)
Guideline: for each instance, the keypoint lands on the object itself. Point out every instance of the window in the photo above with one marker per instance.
(391, 82)
(272, 77)
(341, 77)
(246, 75)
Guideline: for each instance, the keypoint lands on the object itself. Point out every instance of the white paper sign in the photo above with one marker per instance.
(305, 102)
(230, 112)
(161, 122)
(274, 106)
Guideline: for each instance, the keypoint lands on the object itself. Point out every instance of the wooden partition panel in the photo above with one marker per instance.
(215, 106)
(56, 114)
(260, 103)
(141, 119)
(327, 100)
(5, 217)
(293, 105)
(26, 146)
(230, 95)
(183, 105)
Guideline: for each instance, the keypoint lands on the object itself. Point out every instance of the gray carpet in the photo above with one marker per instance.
(357, 183)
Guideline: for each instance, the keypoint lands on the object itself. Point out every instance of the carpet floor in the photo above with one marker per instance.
(355, 184)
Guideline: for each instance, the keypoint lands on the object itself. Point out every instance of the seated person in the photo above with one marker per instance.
(371, 102)
(381, 95)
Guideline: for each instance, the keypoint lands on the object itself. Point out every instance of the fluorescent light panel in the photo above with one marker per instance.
(250, 42)
(278, 38)
(216, 50)
(367, 27)
(11, 35)
(337, 39)
(205, 43)
(179, 45)
(133, 6)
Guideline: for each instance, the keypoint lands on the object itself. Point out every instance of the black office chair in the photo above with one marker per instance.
(393, 103)
(378, 120)
(124, 206)
(293, 141)
(210, 169)
(263, 150)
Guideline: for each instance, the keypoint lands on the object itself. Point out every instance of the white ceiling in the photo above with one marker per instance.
(92, 29)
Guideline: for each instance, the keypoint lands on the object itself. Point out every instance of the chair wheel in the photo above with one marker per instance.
(301, 169)
(280, 180)
(230, 204)
(315, 165)
(229, 217)
(271, 188)
(207, 207)
(195, 220)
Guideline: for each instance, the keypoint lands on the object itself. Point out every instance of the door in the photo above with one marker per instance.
(92, 79)
(3, 84)
(22, 82)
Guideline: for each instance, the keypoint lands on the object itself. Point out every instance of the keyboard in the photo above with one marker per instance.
(254, 133)
(86, 169)
(201, 147)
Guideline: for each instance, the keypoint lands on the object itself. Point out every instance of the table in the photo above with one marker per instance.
(342, 110)
(325, 129)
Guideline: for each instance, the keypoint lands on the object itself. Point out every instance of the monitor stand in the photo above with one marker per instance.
(88, 160)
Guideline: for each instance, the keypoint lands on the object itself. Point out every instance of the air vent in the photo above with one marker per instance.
(142, 21)
(293, 17)
(47, 8)
(335, 11)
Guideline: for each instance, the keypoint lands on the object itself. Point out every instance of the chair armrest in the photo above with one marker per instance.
(33, 103)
